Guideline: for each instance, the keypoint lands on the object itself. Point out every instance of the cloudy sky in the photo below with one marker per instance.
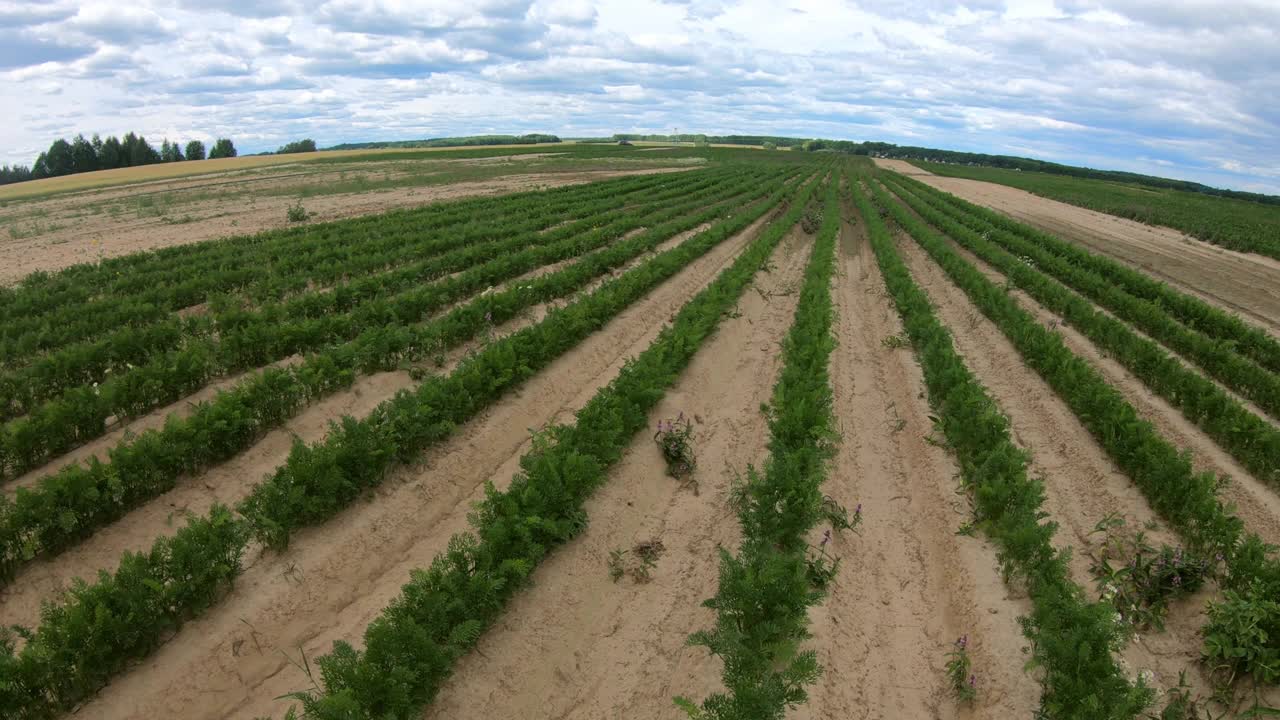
(1184, 88)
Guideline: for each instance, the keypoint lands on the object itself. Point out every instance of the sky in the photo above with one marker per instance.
(1179, 88)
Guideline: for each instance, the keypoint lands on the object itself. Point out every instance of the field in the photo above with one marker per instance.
(660, 433)
(1234, 224)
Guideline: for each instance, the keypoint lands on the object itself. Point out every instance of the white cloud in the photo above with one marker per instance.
(1188, 88)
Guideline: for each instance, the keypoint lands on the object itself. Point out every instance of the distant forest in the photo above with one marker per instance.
(80, 155)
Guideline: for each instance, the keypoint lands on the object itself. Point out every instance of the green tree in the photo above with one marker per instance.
(222, 149)
(83, 156)
(110, 156)
(297, 146)
(170, 152)
(195, 150)
(58, 160)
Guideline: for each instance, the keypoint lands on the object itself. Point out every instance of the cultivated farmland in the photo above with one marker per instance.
(695, 433)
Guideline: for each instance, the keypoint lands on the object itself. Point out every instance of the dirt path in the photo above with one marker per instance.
(577, 645)
(1244, 283)
(908, 586)
(82, 238)
(1082, 485)
(237, 659)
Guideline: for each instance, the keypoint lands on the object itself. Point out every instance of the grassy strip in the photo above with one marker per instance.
(1246, 637)
(123, 617)
(1197, 314)
(412, 647)
(1250, 439)
(255, 339)
(1071, 638)
(1221, 360)
(66, 507)
(766, 590)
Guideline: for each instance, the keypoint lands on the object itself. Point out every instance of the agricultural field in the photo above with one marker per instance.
(50, 224)
(1234, 224)
(660, 433)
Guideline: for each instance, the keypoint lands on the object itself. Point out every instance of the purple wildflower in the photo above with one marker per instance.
(858, 510)
(973, 680)
(963, 642)
(826, 538)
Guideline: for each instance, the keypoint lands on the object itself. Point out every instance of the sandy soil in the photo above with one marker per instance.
(1082, 484)
(238, 658)
(909, 586)
(1241, 282)
(90, 237)
(578, 645)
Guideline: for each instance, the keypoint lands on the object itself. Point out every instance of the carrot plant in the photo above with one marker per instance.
(318, 481)
(68, 506)
(247, 339)
(766, 589)
(1185, 499)
(1193, 312)
(410, 649)
(1072, 639)
(1219, 360)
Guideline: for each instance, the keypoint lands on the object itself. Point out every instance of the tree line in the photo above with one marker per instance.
(82, 155)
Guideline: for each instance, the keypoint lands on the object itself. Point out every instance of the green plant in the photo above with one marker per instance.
(297, 213)
(616, 567)
(1140, 581)
(964, 683)
(838, 517)
(1239, 636)
(675, 441)
(894, 342)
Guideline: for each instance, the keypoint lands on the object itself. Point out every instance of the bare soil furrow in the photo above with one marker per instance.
(908, 586)
(577, 644)
(333, 580)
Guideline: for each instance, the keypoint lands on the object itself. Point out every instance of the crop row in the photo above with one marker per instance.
(1071, 638)
(100, 628)
(68, 506)
(270, 264)
(1185, 499)
(167, 267)
(80, 414)
(765, 591)
(413, 260)
(1233, 223)
(411, 648)
(1250, 439)
(1220, 359)
(1254, 343)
